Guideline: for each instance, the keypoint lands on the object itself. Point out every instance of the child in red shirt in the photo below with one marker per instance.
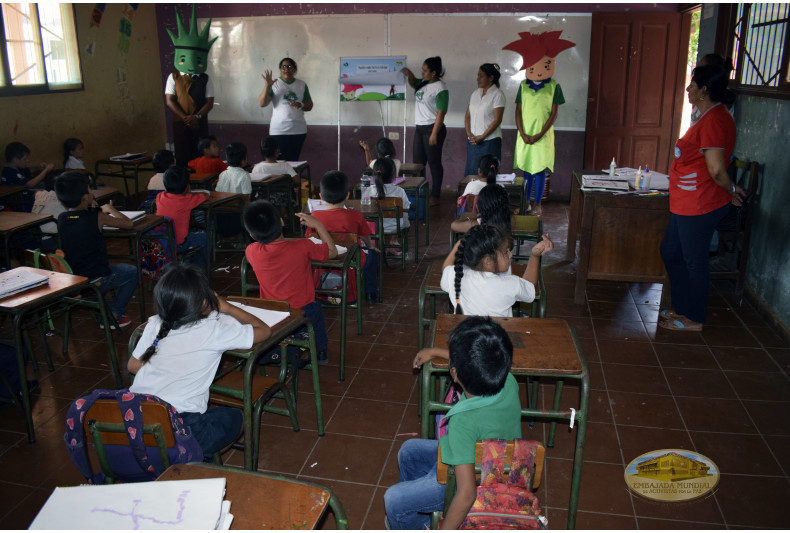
(337, 219)
(284, 266)
(177, 203)
(209, 162)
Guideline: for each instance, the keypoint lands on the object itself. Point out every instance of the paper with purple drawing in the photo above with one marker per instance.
(188, 504)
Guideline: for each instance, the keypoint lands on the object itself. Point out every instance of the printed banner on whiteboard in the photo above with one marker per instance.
(372, 78)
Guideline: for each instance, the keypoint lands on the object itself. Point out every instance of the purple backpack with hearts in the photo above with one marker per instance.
(135, 462)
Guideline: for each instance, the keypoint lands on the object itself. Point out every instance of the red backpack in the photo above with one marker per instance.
(506, 503)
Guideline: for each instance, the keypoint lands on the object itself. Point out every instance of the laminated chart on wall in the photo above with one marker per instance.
(365, 79)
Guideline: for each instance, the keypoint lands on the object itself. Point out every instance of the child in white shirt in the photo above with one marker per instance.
(73, 152)
(384, 172)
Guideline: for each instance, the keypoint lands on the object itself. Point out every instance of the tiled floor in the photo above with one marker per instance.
(723, 392)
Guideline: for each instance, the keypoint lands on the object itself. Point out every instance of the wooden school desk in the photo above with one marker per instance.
(202, 180)
(619, 235)
(522, 227)
(247, 359)
(265, 501)
(124, 170)
(542, 348)
(104, 193)
(372, 213)
(517, 188)
(13, 222)
(21, 304)
(10, 190)
(143, 229)
(218, 201)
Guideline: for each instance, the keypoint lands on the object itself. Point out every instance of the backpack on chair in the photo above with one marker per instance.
(507, 503)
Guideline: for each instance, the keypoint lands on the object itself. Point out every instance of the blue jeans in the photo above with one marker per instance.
(216, 428)
(475, 151)
(685, 254)
(315, 315)
(123, 278)
(409, 503)
(539, 180)
(195, 239)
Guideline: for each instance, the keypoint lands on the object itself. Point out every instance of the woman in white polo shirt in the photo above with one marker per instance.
(483, 118)
(430, 108)
(290, 99)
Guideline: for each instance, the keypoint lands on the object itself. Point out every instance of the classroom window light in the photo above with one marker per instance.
(759, 44)
(40, 50)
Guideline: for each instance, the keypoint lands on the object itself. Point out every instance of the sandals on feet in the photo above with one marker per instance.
(680, 323)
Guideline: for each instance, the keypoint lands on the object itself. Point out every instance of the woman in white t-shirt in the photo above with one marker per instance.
(430, 108)
(483, 118)
(290, 99)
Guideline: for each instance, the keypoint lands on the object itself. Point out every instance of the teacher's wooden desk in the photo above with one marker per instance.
(619, 235)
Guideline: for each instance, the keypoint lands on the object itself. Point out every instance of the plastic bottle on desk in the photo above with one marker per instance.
(612, 167)
(638, 181)
(646, 179)
(364, 187)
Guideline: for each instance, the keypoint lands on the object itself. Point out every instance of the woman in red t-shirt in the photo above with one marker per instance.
(700, 194)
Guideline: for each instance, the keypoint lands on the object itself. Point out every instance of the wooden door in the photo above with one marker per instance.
(636, 89)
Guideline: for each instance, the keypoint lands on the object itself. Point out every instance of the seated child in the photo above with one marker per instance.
(270, 152)
(181, 347)
(162, 160)
(209, 162)
(487, 170)
(384, 148)
(73, 152)
(236, 180)
(476, 274)
(177, 202)
(83, 243)
(480, 354)
(338, 219)
(384, 173)
(17, 172)
(493, 203)
(283, 267)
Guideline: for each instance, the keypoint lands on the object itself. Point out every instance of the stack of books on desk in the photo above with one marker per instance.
(187, 504)
(19, 280)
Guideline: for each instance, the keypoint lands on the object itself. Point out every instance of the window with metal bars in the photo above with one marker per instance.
(760, 49)
(39, 52)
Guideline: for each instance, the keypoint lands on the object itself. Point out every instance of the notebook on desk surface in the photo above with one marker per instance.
(134, 216)
(128, 157)
(16, 281)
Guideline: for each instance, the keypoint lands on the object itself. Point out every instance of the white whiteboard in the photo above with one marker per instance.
(247, 46)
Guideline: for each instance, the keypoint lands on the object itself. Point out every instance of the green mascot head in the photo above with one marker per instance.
(191, 48)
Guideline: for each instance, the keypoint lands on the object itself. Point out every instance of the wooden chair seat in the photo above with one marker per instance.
(235, 380)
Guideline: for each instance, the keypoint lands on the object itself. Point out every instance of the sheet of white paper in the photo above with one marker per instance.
(187, 504)
(340, 249)
(225, 518)
(506, 178)
(131, 215)
(316, 205)
(267, 315)
(474, 187)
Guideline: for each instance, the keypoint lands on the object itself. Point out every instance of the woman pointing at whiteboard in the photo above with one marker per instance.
(430, 108)
(290, 99)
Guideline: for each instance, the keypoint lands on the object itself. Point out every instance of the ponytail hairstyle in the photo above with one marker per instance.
(715, 76)
(434, 64)
(491, 69)
(478, 243)
(493, 203)
(69, 145)
(384, 148)
(488, 166)
(383, 172)
(183, 296)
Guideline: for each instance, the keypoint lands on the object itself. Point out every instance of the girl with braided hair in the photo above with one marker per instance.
(477, 275)
(494, 207)
(384, 174)
(181, 347)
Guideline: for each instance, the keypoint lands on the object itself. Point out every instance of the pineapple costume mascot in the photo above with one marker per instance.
(189, 92)
(537, 104)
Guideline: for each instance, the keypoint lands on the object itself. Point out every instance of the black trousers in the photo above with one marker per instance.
(432, 155)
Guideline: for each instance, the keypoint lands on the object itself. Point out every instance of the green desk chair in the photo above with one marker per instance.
(393, 208)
